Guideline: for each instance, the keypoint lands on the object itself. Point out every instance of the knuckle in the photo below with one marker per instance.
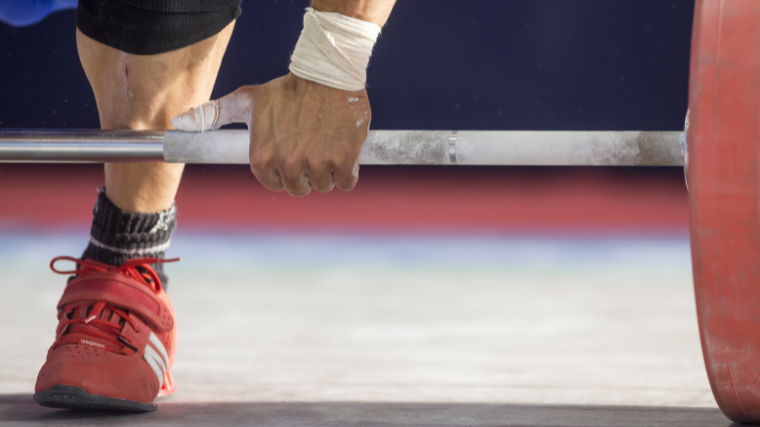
(267, 178)
(299, 192)
(319, 169)
(258, 168)
(325, 188)
(346, 181)
(269, 182)
(347, 186)
(291, 168)
(290, 182)
(262, 161)
(276, 187)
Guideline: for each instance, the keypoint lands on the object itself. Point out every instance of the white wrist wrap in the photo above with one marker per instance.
(334, 50)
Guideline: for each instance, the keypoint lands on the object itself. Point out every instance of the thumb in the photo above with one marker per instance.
(233, 108)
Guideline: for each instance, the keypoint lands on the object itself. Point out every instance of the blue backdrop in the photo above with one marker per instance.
(508, 64)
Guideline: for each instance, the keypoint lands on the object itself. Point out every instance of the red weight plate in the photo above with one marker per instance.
(724, 182)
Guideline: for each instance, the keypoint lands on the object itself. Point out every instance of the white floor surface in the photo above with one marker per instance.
(399, 318)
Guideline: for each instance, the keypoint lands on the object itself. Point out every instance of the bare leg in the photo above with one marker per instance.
(146, 92)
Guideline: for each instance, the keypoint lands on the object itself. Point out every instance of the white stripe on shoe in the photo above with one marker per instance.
(159, 346)
(153, 360)
(158, 362)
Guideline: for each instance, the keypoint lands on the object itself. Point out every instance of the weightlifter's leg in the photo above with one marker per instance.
(145, 92)
(116, 337)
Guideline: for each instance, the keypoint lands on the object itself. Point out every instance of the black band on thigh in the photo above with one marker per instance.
(149, 27)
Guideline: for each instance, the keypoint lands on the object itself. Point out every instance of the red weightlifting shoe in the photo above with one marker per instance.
(115, 341)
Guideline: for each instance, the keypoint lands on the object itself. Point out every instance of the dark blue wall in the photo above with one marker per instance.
(478, 64)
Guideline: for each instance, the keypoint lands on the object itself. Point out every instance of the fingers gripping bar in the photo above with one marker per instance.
(382, 147)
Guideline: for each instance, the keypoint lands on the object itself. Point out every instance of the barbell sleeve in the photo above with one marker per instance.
(382, 147)
(80, 146)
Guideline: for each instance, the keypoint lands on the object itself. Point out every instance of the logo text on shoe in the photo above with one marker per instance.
(91, 343)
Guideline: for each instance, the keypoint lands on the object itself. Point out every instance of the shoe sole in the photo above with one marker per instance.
(70, 397)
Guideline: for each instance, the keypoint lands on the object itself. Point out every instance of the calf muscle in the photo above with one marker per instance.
(145, 92)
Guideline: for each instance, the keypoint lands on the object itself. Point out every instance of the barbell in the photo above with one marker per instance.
(387, 147)
(721, 147)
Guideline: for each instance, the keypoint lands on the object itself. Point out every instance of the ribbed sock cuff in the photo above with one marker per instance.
(118, 235)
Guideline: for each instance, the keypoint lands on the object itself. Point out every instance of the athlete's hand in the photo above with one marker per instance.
(303, 135)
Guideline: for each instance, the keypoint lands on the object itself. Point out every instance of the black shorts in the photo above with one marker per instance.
(148, 27)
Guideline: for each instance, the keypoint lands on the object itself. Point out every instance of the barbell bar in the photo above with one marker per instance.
(382, 147)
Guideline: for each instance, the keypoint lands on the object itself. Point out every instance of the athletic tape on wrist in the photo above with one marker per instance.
(334, 50)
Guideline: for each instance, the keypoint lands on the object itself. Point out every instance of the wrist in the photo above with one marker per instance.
(334, 50)
(299, 85)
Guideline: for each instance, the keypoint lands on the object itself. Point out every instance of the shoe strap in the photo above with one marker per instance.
(122, 292)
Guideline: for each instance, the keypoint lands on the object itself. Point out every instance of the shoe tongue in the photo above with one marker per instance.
(147, 280)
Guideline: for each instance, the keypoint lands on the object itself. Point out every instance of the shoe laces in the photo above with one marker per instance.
(99, 324)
